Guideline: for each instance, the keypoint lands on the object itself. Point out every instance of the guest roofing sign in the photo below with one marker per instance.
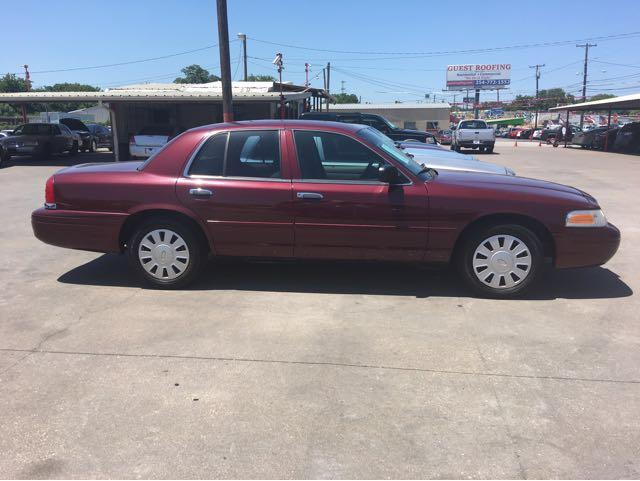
(479, 76)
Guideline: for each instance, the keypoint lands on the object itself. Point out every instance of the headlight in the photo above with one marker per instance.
(586, 218)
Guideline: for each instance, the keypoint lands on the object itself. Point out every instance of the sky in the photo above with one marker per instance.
(383, 51)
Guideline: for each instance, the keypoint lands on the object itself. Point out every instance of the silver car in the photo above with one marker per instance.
(448, 160)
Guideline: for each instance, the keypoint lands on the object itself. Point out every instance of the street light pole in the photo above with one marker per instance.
(278, 63)
(225, 62)
(243, 38)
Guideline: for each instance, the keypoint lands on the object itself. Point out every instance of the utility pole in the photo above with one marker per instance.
(342, 86)
(328, 82)
(476, 105)
(537, 67)
(225, 62)
(27, 79)
(278, 63)
(584, 79)
(306, 75)
(243, 38)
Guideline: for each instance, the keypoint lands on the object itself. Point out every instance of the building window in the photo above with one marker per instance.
(409, 125)
(432, 125)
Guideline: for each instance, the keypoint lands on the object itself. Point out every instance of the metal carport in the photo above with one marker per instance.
(184, 105)
(625, 102)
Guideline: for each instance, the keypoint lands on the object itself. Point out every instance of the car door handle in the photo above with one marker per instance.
(200, 192)
(310, 195)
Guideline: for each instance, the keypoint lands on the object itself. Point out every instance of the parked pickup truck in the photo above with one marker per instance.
(473, 134)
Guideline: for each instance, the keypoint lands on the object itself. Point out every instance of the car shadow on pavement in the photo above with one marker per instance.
(350, 278)
(60, 160)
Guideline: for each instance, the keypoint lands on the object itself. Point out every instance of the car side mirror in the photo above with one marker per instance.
(388, 174)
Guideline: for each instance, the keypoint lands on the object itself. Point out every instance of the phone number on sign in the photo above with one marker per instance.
(492, 82)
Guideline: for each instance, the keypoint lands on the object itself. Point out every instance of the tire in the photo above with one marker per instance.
(457, 148)
(451, 146)
(177, 267)
(490, 149)
(74, 149)
(93, 146)
(510, 269)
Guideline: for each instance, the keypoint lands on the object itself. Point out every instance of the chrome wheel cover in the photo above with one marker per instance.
(164, 254)
(502, 261)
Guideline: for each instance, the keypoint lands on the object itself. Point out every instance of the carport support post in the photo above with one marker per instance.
(606, 134)
(566, 129)
(114, 132)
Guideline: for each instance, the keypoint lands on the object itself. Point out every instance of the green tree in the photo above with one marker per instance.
(68, 87)
(346, 98)
(260, 78)
(601, 97)
(10, 83)
(195, 74)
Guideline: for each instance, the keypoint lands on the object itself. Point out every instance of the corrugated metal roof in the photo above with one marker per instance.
(242, 91)
(361, 107)
(631, 101)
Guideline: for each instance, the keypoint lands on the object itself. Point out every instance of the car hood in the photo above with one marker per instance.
(409, 132)
(465, 165)
(421, 154)
(511, 183)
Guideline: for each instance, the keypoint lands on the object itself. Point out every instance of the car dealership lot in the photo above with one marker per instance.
(320, 369)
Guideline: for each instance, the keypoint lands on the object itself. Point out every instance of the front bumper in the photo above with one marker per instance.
(91, 231)
(586, 247)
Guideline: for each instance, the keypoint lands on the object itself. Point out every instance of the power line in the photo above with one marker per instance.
(450, 52)
(131, 62)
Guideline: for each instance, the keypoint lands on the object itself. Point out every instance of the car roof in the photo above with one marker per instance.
(282, 124)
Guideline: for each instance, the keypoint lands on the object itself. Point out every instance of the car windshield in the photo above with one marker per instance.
(472, 124)
(375, 137)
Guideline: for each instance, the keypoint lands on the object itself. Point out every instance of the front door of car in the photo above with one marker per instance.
(342, 210)
(235, 184)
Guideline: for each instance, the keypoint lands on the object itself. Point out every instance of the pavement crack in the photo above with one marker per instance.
(326, 363)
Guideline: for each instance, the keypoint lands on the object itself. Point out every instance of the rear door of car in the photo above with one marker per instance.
(237, 183)
(342, 210)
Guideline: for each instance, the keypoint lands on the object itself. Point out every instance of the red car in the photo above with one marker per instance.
(318, 190)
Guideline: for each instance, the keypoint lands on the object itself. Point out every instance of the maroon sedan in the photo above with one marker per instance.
(318, 190)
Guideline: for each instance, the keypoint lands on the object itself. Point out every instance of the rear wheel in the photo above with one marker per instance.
(490, 149)
(500, 261)
(165, 253)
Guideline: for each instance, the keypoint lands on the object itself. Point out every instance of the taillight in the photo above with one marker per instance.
(49, 194)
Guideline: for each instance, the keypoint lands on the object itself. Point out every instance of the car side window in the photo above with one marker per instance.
(253, 153)
(377, 124)
(210, 158)
(330, 156)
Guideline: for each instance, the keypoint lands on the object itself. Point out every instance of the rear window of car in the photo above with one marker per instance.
(36, 129)
(157, 130)
(473, 124)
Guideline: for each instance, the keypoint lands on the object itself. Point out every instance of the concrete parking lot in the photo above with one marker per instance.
(271, 370)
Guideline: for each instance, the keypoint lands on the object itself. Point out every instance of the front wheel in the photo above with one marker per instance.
(165, 253)
(93, 146)
(74, 149)
(501, 261)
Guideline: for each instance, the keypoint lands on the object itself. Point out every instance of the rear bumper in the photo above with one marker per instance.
(142, 151)
(91, 231)
(481, 143)
(585, 247)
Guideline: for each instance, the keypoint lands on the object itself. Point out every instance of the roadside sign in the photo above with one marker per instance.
(479, 76)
